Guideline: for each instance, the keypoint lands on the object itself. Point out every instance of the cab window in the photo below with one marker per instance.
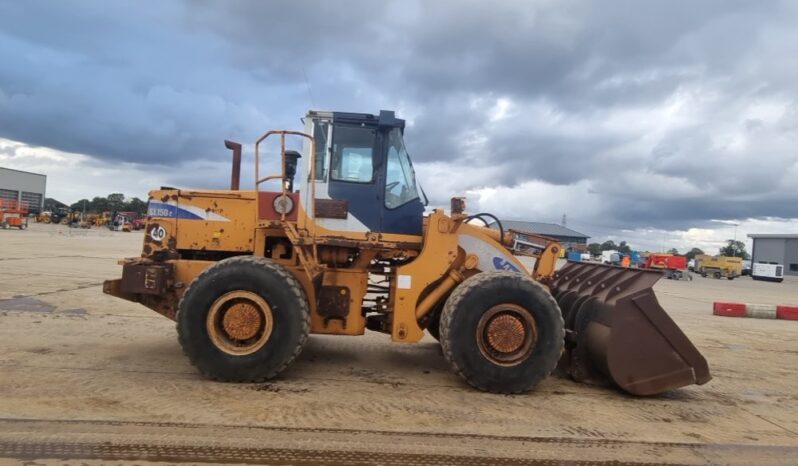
(353, 154)
(400, 181)
(320, 136)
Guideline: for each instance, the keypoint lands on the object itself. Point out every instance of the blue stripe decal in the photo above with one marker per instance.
(159, 209)
(499, 263)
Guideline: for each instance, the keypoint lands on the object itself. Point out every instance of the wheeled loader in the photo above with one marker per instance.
(342, 244)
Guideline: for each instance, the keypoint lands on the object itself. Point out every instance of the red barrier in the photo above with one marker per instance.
(728, 309)
(787, 312)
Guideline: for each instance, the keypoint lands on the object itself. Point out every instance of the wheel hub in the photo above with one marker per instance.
(242, 321)
(506, 334)
(239, 322)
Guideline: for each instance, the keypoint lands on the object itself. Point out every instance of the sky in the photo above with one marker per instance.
(664, 123)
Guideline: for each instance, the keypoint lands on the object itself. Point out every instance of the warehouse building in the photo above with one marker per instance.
(571, 240)
(781, 249)
(25, 187)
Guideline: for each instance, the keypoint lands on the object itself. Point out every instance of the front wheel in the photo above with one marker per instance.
(502, 332)
(243, 319)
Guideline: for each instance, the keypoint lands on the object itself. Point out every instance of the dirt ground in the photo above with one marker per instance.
(89, 379)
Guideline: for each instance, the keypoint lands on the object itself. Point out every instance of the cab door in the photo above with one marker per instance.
(401, 206)
(354, 180)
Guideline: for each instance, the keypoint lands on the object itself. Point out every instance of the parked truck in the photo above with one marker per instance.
(719, 266)
(672, 266)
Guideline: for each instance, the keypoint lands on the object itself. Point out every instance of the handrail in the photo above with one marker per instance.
(282, 175)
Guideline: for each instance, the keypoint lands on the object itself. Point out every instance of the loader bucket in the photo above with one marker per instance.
(617, 333)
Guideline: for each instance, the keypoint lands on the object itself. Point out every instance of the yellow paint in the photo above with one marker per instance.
(356, 281)
(415, 287)
(436, 258)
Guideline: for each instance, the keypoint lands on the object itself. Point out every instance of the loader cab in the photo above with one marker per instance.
(364, 177)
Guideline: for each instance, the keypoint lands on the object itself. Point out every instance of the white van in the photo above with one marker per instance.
(769, 271)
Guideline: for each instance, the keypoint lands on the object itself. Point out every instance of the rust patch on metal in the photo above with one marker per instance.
(333, 303)
(242, 321)
(618, 333)
(224, 332)
(145, 278)
(506, 333)
(331, 208)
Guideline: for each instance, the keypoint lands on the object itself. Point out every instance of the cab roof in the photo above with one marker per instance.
(385, 118)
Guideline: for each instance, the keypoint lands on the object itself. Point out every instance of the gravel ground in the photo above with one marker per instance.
(91, 378)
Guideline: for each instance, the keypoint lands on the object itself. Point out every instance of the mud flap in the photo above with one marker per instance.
(618, 334)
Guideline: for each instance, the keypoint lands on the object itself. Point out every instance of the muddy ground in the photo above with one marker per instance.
(88, 379)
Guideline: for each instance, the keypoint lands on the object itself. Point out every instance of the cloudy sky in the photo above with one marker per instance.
(660, 122)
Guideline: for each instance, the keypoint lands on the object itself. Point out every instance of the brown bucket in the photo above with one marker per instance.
(617, 333)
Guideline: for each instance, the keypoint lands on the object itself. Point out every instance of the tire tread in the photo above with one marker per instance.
(460, 293)
(281, 271)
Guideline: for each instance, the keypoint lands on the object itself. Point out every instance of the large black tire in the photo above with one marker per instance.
(434, 322)
(488, 294)
(258, 277)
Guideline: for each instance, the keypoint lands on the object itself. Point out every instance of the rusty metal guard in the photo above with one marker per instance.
(617, 332)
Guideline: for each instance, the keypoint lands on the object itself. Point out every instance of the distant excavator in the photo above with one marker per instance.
(248, 275)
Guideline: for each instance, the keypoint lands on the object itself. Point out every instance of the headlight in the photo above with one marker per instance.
(283, 204)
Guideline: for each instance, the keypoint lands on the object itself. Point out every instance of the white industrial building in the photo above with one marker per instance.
(25, 187)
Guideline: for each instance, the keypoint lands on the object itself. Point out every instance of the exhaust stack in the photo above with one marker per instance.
(235, 177)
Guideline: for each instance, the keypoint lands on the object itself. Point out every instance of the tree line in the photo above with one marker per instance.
(115, 202)
(733, 248)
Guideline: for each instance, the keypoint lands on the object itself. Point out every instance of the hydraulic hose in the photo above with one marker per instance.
(498, 222)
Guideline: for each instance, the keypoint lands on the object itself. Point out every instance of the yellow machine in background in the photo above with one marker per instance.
(248, 275)
(718, 266)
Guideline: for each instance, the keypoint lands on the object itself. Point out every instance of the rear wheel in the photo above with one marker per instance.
(502, 332)
(243, 319)
(5, 226)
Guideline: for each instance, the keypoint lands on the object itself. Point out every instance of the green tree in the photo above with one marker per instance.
(116, 201)
(609, 246)
(137, 205)
(694, 252)
(594, 249)
(79, 205)
(673, 251)
(624, 248)
(734, 249)
(99, 204)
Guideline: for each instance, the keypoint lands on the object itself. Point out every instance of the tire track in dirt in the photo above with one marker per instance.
(270, 456)
(188, 442)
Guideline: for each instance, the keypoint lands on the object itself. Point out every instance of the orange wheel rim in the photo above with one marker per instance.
(506, 334)
(239, 322)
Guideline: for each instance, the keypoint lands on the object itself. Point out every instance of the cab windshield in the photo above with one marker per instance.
(400, 179)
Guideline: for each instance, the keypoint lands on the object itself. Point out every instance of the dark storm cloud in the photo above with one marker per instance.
(585, 85)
